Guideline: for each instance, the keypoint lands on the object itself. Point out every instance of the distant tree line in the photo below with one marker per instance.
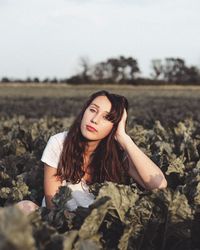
(175, 70)
(125, 70)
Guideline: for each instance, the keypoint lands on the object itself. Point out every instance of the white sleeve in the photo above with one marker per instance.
(52, 152)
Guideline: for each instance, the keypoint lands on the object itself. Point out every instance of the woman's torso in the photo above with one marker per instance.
(80, 193)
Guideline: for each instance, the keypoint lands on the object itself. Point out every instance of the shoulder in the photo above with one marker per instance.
(59, 137)
(57, 140)
(53, 149)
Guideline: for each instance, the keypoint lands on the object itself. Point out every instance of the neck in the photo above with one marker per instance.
(91, 146)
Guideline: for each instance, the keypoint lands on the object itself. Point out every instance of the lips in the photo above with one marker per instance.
(90, 128)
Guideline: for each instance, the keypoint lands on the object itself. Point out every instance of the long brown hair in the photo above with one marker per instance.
(107, 160)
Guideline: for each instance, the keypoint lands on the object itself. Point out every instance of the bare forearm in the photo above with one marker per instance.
(48, 201)
(51, 184)
(150, 174)
(50, 190)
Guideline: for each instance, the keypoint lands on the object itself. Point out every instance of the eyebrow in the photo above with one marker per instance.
(98, 106)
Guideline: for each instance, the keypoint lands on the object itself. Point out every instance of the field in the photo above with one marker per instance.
(163, 121)
(64, 90)
(148, 103)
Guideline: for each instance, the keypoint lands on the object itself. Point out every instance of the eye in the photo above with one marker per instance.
(105, 118)
(109, 118)
(92, 110)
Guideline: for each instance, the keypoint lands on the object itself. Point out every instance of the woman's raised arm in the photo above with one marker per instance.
(141, 167)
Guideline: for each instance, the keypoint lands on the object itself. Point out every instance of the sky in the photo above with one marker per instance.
(47, 38)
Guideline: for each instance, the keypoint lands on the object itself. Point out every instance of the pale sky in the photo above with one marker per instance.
(46, 38)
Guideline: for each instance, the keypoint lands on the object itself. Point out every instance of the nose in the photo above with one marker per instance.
(95, 119)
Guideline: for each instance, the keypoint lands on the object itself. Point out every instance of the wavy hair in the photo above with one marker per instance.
(107, 161)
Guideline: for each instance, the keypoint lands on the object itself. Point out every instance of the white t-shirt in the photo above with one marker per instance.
(51, 156)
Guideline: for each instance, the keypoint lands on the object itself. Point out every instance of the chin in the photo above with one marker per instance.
(90, 136)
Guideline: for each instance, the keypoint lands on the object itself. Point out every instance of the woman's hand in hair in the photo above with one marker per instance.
(121, 129)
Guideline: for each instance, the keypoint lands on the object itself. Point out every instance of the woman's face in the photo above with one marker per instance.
(95, 116)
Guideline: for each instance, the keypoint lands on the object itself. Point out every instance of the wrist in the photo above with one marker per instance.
(124, 140)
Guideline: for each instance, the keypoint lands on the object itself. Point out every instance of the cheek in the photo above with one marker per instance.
(84, 118)
(82, 123)
(107, 129)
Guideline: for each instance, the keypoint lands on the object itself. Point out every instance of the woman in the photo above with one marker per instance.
(95, 149)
